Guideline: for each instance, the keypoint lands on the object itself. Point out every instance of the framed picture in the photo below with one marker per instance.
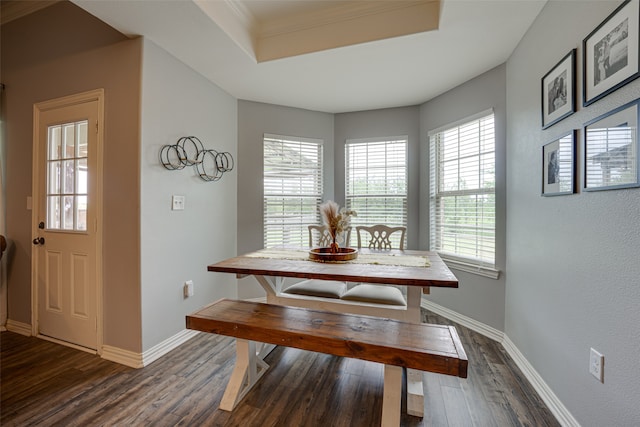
(558, 166)
(611, 53)
(611, 150)
(558, 91)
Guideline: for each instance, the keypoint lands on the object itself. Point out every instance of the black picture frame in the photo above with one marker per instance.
(559, 165)
(558, 91)
(611, 53)
(611, 146)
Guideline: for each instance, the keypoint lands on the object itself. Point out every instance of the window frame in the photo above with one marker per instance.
(349, 197)
(475, 265)
(312, 215)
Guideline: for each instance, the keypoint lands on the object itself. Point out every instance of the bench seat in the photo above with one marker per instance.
(397, 345)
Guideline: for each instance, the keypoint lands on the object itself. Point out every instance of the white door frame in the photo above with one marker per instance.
(94, 95)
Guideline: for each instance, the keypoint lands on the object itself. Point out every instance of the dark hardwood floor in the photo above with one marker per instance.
(46, 384)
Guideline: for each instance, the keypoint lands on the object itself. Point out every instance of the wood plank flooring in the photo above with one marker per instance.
(46, 384)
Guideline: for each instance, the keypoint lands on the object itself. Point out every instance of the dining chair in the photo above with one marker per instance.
(379, 237)
(320, 288)
(323, 239)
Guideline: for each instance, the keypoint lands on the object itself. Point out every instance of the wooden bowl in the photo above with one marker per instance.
(325, 254)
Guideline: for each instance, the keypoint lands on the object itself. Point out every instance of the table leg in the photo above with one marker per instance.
(415, 390)
(391, 400)
(248, 370)
(271, 285)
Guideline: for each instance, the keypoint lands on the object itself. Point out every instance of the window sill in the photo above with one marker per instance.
(468, 267)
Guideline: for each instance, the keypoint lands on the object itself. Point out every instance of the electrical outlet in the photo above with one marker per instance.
(596, 365)
(188, 288)
(177, 203)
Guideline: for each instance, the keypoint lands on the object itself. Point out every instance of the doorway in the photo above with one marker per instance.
(67, 223)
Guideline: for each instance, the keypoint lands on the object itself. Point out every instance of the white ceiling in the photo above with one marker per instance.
(473, 37)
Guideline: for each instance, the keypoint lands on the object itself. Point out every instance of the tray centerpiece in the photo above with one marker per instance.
(337, 220)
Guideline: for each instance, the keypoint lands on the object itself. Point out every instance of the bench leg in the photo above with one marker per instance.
(415, 393)
(392, 398)
(248, 370)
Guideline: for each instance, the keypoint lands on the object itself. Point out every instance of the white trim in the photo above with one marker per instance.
(462, 121)
(471, 267)
(467, 322)
(123, 357)
(557, 408)
(19, 327)
(138, 360)
(159, 350)
(391, 138)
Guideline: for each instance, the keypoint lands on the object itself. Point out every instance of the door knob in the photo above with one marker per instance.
(38, 241)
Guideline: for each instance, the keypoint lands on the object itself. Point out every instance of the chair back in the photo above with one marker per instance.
(319, 236)
(379, 236)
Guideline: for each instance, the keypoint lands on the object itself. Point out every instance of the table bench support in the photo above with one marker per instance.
(248, 370)
(415, 393)
(392, 396)
(395, 344)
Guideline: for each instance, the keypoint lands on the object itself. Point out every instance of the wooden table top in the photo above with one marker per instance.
(436, 274)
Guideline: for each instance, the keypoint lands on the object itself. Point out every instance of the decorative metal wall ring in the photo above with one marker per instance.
(224, 161)
(207, 165)
(189, 151)
(171, 157)
(191, 148)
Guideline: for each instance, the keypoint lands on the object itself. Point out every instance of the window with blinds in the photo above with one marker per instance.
(292, 189)
(462, 192)
(376, 181)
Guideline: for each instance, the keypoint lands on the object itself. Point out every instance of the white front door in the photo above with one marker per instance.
(65, 213)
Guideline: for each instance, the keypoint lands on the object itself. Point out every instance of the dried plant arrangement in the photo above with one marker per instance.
(337, 220)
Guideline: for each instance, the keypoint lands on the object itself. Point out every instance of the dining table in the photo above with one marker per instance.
(274, 268)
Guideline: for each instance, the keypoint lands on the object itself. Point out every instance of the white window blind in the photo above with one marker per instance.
(376, 181)
(292, 189)
(462, 192)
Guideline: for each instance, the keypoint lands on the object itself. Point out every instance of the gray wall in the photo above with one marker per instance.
(178, 245)
(381, 123)
(254, 120)
(477, 297)
(573, 276)
(59, 51)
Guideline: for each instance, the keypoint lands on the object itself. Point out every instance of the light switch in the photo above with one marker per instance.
(177, 203)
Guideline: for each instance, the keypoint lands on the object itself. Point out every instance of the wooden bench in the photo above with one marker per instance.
(397, 345)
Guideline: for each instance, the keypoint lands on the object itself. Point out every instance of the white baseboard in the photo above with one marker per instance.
(19, 328)
(465, 321)
(556, 407)
(138, 360)
(554, 404)
(157, 351)
(123, 357)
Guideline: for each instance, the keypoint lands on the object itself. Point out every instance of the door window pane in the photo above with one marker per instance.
(53, 212)
(68, 213)
(67, 176)
(55, 141)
